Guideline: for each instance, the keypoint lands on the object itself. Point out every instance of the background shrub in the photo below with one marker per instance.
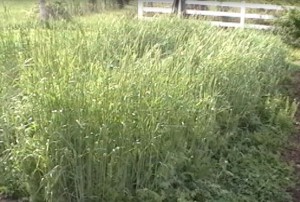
(288, 27)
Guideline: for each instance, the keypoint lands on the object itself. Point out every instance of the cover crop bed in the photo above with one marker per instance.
(127, 110)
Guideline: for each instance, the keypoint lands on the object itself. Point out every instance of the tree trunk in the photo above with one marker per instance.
(122, 3)
(92, 5)
(175, 6)
(44, 15)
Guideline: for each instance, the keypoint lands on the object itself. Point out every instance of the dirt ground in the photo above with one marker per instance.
(9, 200)
(4, 199)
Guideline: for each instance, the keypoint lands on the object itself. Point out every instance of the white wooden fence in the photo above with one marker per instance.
(200, 8)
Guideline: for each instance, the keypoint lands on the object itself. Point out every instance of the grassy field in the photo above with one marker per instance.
(109, 108)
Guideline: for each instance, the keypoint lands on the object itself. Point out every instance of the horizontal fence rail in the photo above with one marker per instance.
(142, 9)
(239, 11)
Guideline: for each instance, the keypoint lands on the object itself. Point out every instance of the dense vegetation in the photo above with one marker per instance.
(288, 27)
(109, 108)
(124, 110)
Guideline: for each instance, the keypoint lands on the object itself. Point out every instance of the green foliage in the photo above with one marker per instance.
(288, 26)
(87, 6)
(127, 110)
(58, 10)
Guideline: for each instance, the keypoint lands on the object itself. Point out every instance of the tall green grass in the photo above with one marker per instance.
(127, 110)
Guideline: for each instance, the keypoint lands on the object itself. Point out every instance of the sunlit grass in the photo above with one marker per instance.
(119, 109)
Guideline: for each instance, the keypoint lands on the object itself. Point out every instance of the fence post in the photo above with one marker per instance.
(140, 8)
(181, 8)
(243, 14)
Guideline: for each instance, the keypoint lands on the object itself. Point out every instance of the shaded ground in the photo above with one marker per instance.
(5, 199)
(2, 199)
(292, 154)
